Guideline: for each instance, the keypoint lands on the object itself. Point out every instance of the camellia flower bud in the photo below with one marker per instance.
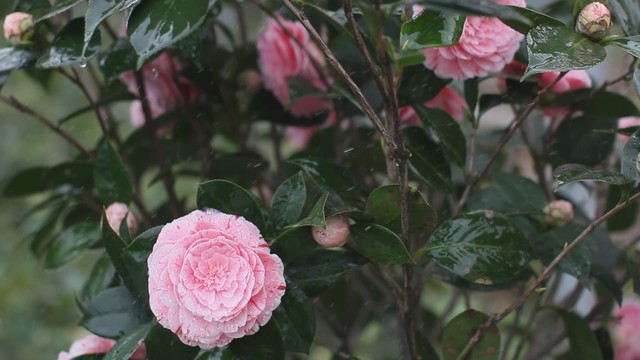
(559, 212)
(18, 27)
(115, 214)
(594, 20)
(335, 234)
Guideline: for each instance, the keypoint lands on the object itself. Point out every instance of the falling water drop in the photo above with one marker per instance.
(83, 62)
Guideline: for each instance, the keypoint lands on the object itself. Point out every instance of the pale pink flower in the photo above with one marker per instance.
(18, 27)
(573, 80)
(166, 89)
(336, 233)
(485, 47)
(116, 212)
(92, 344)
(594, 20)
(625, 334)
(447, 99)
(559, 212)
(212, 278)
(626, 122)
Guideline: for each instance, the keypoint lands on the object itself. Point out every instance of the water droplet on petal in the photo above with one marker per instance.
(154, 72)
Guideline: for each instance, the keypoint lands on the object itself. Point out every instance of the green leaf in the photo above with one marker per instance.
(113, 313)
(431, 29)
(583, 342)
(155, 25)
(266, 344)
(418, 85)
(119, 58)
(288, 201)
(293, 244)
(13, 58)
(128, 344)
(570, 173)
(627, 14)
(577, 263)
(380, 244)
(66, 48)
(486, 8)
(315, 273)
(447, 130)
(558, 48)
(162, 344)
(631, 45)
(480, 246)
(296, 319)
(230, 198)
(427, 160)
(535, 18)
(100, 10)
(600, 103)
(384, 204)
(58, 8)
(471, 91)
(100, 278)
(460, 329)
(111, 177)
(216, 354)
(608, 280)
(316, 216)
(71, 243)
(26, 182)
(576, 141)
(509, 193)
(629, 162)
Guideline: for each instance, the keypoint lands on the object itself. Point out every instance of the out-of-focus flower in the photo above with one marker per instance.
(447, 99)
(625, 334)
(166, 89)
(573, 80)
(18, 27)
(594, 20)
(559, 212)
(513, 70)
(626, 122)
(336, 233)
(250, 80)
(116, 212)
(485, 47)
(212, 278)
(92, 344)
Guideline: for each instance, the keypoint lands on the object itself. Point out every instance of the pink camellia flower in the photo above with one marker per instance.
(18, 27)
(513, 70)
(92, 344)
(165, 87)
(626, 122)
(212, 278)
(447, 99)
(116, 212)
(559, 212)
(485, 47)
(594, 20)
(573, 80)
(625, 334)
(336, 233)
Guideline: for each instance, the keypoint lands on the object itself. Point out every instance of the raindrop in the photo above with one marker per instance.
(83, 62)
(154, 72)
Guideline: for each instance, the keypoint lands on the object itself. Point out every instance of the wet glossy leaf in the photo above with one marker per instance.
(71, 243)
(431, 29)
(316, 216)
(419, 84)
(111, 178)
(296, 319)
(384, 204)
(13, 58)
(162, 344)
(120, 57)
(288, 201)
(380, 244)
(631, 45)
(577, 263)
(480, 246)
(265, 344)
(460, 330)
(230, 198)
(99, 279)
(487, 8)
(570, 173)
(535, 18)
(315, 273)
(66, 48)
(154, 25)
(447, 130)
(113, 313)
(128, 344)
(627, 14)
(629, 161)
(58, 8)
(583, 342)
(558, 48)
(576, 141)
(427, 160)
(100, 10)
(509, 194)
(26, 182)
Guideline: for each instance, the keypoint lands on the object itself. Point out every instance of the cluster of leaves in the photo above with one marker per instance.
(494, 244)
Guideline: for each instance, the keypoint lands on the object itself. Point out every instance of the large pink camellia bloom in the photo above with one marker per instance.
(485, 47)
(212, 278)
(92, 344)
(626, 337)
(166, 89)
(447, 99)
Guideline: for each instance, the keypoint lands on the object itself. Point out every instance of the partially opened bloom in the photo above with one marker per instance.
(625, 334)
(447, 99)
(17, 27)
(212, 278)
(485, 47)
(116, 212)
(92, 344)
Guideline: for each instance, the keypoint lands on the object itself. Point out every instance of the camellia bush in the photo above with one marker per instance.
(437, 179)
